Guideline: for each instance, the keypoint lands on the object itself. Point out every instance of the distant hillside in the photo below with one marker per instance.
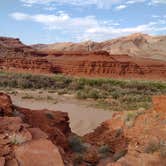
(137, 45)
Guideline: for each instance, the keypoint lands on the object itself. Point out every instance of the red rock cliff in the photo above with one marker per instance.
(14, 56)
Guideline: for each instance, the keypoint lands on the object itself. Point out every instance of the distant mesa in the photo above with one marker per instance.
(136, 45)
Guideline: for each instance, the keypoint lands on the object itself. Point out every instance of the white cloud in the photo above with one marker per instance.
(135, 1)
(121, 7)
(158, 1)
(88, 28)
(61, 20)
(20, 16)
(98, 3)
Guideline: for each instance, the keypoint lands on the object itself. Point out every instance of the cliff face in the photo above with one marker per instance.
(11, 47)
(14, 56)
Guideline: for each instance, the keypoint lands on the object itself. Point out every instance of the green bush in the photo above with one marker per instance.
(130, 94)
(118, 155)
(76, 144)
(152, 147)
(104, 151)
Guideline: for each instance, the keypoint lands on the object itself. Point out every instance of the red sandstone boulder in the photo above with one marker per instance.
(138, 159)
(38, 152)
(55, 124)
(106, 135)
(11, 162)
(5, 104)
(159, 103)
(37, 133)
(2, 161)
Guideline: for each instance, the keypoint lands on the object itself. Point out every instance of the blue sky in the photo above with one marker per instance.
(49, 21)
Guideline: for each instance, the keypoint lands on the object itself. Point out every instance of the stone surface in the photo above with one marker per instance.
(12, 162)
(5, 104)
(38, 152)
(37, 133)
(2, 161)
(159, 103)
(54, 123)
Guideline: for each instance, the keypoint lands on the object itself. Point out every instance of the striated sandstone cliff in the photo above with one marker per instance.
(14, 56)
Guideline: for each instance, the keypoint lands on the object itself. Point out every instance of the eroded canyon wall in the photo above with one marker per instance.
(17, 57)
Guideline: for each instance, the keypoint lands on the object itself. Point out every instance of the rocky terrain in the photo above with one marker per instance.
(43, 137)
(15, 56)
(135, 45)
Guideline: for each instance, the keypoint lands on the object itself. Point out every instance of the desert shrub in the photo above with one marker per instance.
(104, 151)
(95, 94)
(50, 98)
(130, 94)
(17, 139)
(81, 95)
(152, 147)
(76, 144)
(49, 116)
(162, 149)
(119, 155)
(62, 91)
(27, 96)
(78, 159)
(130, 117)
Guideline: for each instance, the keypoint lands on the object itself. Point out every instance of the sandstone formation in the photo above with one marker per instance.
(11, 47)
(43, 137)
(38, 152)
(17, 57)
(28, 137)
(137, 45)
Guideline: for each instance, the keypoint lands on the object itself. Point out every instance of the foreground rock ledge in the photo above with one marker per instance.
(43, 138)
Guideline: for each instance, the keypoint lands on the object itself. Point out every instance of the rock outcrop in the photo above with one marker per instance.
(43, 137)
(38, 152)
(15, 56)
(94, 64)
(141, 142)
(29, 137)
(11, 47)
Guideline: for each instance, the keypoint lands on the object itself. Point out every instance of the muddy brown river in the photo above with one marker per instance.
(83, 117)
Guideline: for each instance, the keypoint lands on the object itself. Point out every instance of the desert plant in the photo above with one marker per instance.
(162, 149)
(17, 139)
(152, 147)
(49, 116)
(130, 94)
(104, 151)
(120, 154)
(76, 144)
(78, 158)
